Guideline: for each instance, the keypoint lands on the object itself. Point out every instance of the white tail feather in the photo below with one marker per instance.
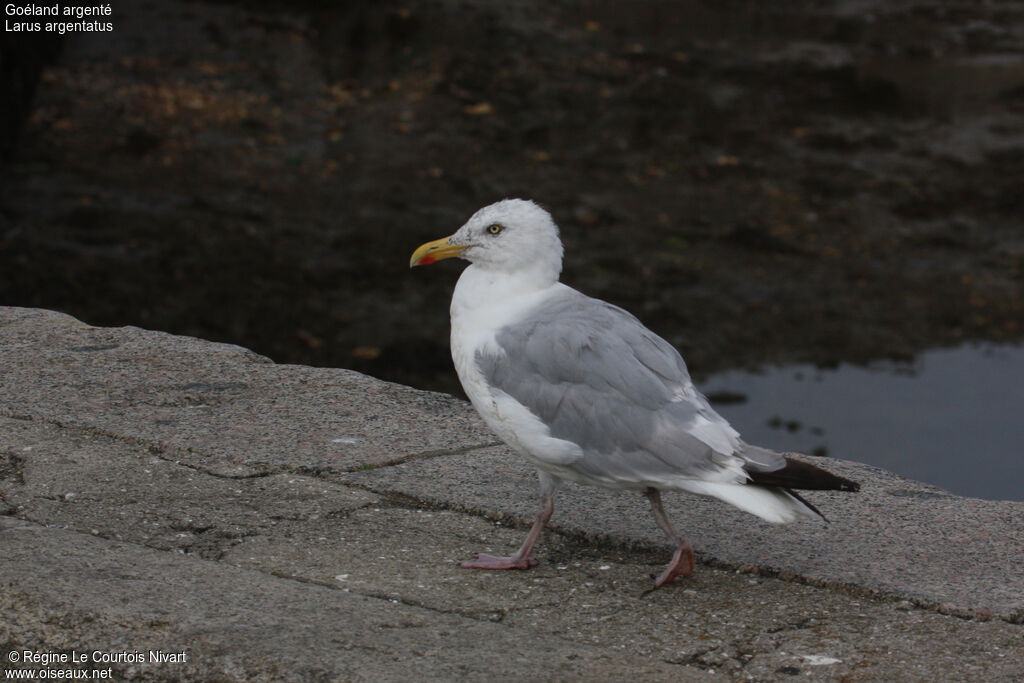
(770, 504)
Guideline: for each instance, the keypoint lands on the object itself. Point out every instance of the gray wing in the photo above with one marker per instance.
(600, 379)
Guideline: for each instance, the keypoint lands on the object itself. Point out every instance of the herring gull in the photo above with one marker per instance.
(587, 394)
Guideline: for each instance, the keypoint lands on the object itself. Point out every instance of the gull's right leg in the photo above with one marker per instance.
(682, 561)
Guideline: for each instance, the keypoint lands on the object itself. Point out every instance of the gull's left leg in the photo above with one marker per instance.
(522, 558)
(682, 561)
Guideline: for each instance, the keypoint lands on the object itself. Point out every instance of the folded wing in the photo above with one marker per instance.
(595, 376)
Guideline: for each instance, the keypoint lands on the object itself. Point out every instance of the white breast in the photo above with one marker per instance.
(481, 305)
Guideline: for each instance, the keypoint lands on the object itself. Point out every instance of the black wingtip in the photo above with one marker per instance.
(813, 508)
(798, 474)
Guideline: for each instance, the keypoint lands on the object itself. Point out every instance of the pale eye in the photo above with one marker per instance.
(494, 229)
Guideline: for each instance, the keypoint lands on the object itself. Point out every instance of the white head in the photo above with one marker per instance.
(511, 236)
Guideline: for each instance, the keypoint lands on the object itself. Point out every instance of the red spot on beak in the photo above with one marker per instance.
(426, 261)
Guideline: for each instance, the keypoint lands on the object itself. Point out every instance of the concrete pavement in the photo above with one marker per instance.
(271, 522)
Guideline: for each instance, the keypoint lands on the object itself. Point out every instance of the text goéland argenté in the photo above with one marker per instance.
(57, 12)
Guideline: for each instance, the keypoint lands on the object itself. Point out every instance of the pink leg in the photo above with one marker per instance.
(682, 561)
(522, 559)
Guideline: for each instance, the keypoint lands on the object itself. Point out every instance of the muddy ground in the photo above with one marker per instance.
(759, 182)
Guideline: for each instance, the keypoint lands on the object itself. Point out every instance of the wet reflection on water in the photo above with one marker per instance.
(953, 418)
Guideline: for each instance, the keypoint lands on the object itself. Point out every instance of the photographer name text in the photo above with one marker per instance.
(97, 657)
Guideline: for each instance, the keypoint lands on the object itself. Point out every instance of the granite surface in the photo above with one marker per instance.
(290, 523)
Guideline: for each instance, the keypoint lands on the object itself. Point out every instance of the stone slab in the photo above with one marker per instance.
(69, 591)
(219, 406)
(896, 536)
(231, 534)
(328, 535)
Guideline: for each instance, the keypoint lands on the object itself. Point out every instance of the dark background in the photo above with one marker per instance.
(758, 182)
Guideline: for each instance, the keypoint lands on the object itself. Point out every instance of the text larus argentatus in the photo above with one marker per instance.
(587, 393)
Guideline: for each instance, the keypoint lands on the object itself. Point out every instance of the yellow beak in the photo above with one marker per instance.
(438, 250)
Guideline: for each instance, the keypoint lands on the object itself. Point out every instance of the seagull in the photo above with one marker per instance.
(587, 394)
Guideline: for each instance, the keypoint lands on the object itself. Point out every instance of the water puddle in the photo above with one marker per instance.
(953, 418)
